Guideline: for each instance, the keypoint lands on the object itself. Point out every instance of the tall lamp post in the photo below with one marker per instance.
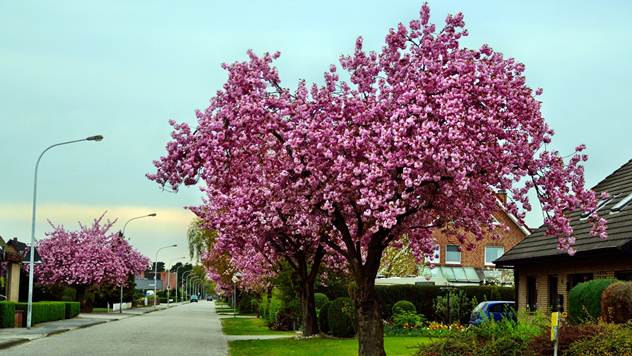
(184, 281)
(123, 236)
(169, 278)
(156, 270)
(177, 271)
(191, 281)
(29, 308)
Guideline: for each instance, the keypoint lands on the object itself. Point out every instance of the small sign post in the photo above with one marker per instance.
(555, 327)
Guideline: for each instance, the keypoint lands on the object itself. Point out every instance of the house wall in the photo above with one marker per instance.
(476, 257)
(602, 267)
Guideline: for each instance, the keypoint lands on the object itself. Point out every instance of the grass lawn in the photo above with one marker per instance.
(100, 310)
(249, 326)
(395, 345)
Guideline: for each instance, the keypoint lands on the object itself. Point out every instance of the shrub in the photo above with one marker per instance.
(613, 339)
(453, 306)
(616, 302)
(320, 299)
(248, 304)
(341, 315)
(7, 314)
(72, 309)
(323, 318)
(584, 300)
(404, 306)
(45, 311)
(423, 296)
(407, 320)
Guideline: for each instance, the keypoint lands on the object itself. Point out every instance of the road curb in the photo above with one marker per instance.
(12, 342)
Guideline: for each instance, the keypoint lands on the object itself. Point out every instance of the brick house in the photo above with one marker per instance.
(544, 275)
(474, 267)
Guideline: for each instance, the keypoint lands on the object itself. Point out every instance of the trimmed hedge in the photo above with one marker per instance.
(616, 302)
(341, 314)
(584, 300)
(323, 318)
(7, 314)
(320, 299)
(423, 296)
(72, 309)
(404, 306)
(44, 311)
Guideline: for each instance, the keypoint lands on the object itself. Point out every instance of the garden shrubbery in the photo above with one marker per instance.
(7, 314)
(584, 300)
(45, 311)
(248, 303)
(616, 302)
(341, 317)
(404, 306)
(424, 297)
(323, 318)
(320, 299)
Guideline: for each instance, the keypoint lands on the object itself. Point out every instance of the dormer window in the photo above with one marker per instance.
(600, 204)
(621, 204)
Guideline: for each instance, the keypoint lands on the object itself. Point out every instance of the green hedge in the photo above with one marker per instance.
(72, 309)
(7, 314)
(323, 320)
(584, 300)
(45, 311)
(341, 315)
(423, 296)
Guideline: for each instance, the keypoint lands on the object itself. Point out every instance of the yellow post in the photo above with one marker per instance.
(555, 327)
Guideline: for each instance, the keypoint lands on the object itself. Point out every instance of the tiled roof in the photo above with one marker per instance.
(539, 245)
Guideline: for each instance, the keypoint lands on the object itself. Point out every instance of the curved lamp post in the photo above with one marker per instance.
(183, 283)
(123, 236)
(177, 270)
(156, 270)
(169, 278)
(29, 308)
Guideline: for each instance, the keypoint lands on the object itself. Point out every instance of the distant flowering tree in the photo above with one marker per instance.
(91, 256)
(421, 137)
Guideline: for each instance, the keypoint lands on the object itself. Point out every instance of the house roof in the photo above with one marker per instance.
(539, 245)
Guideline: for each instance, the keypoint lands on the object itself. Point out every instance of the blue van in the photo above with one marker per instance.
(493, 310)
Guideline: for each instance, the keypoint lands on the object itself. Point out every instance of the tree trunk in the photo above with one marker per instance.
(84, 298)
(308, 308)
(370, 325)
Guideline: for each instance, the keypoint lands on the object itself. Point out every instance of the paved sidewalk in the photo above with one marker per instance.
(15, 336)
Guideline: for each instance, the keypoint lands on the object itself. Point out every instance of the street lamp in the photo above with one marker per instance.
(235, 279)
(190, 286)
(123, 236)
(156, 270)
(184, 281)
(29, 308)
(169, 278)
(177, 271)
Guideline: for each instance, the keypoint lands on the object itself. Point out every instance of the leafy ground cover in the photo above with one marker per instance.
(249, 326)
(394, 345)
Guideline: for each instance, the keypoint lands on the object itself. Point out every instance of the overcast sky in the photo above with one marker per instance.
(71, 69)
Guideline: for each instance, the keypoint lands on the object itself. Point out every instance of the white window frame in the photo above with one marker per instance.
(491, 263)
(446, 256)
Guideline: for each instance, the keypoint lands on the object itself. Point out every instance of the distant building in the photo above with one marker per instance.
(544, 275)
(145, 281)
(461, 267)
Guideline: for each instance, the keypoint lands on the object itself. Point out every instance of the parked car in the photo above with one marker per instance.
(194, 298)
(209, 298)
(493, 310)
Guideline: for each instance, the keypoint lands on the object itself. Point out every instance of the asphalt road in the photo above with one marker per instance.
(191, 329)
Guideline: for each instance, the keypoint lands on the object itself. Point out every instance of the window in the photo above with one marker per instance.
(532, 294)
(575, 279)
(623, 275)
(436, 259)
(553, 295)
(600, 204)
(621, 204)
(492, 253)
(452, 254)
